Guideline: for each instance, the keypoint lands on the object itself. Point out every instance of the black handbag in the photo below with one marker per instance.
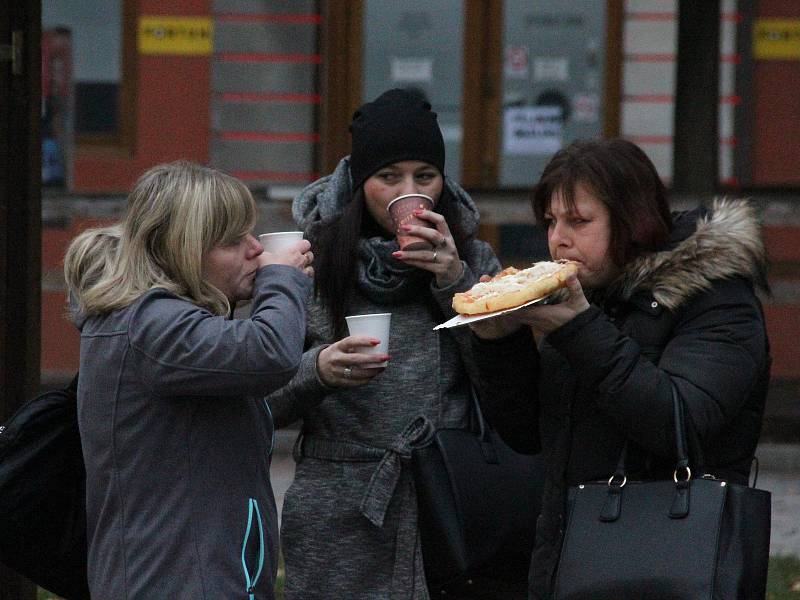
(478, 501)
(688, 538)
(42, 494)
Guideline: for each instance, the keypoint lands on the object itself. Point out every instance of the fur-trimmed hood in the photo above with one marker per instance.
(705, 245)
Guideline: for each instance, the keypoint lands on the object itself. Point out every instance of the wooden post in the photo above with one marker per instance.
(341, 78)
(696, 140)
(20, 222)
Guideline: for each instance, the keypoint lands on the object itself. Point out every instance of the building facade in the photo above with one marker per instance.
(265, 89)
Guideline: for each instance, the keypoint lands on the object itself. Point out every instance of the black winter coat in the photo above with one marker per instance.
(686, 315)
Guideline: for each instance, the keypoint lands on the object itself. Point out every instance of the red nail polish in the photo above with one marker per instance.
(374, 342)
(417, 212)
(397, 254)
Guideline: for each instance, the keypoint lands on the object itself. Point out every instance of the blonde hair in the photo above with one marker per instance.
(176, 213)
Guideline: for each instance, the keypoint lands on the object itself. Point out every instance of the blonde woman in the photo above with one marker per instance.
(176, 436)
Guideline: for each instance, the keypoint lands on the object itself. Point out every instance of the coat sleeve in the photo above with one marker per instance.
(480, 260)
(305, 390)
(183, 349)
(715, 356)
(507, 382)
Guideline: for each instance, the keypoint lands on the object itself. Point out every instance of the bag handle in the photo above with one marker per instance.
(487, 447)
(73, 385)
(478, 413)
(682, 455)
(682, 474)
(682, 464)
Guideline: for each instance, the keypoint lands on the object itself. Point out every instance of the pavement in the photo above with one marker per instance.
(779, 473)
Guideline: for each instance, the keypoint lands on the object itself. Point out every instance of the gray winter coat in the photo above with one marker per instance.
(177, 439)
(349, 524)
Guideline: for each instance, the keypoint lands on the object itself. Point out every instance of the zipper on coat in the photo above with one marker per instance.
(253, 521)
(271, 425)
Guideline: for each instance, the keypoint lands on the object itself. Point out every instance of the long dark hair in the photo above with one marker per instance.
(621, 176)
(336, 248)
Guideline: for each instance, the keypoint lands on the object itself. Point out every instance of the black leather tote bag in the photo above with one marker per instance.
(687, 538)
(478, 501)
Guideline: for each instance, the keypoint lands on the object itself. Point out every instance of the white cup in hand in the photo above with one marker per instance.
(374, 326)
(275, 242)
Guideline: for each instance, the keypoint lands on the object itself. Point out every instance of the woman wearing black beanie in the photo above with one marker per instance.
(349, 522)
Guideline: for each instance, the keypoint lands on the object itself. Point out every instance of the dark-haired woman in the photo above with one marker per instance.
(349, 524)
(660, 299)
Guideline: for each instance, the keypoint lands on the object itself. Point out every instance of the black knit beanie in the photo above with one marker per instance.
(397, 125)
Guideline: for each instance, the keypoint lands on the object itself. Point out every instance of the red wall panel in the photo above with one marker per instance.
(776, 127)
(173, 97)
(60, 337)
(783, 328)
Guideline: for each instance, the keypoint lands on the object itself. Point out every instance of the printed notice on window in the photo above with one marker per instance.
(410, 70)
(550, 68)
(187, 36)
(776, 39)
(532, 130)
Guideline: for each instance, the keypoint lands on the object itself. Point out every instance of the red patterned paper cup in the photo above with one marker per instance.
(401, 209)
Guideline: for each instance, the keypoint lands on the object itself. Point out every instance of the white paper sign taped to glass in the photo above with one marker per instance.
(550, 68)
(532, 130)
(411, 70)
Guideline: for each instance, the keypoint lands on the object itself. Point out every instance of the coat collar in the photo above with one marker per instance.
(706, 245)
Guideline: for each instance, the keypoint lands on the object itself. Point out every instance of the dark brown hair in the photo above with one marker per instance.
(336, 248)
(619, 174)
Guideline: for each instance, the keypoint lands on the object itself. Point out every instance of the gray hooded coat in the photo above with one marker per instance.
(177, 437)
(349, 524)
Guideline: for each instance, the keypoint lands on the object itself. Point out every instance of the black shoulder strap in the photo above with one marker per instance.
(73, 385)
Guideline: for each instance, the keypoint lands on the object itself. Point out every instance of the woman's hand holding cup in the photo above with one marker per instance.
(345, 364)
(442, 258)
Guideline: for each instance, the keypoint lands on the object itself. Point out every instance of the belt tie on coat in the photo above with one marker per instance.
(387, 481)
(384, 480)
(408, 574)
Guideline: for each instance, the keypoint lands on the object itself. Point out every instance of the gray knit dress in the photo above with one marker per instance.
(349, 524)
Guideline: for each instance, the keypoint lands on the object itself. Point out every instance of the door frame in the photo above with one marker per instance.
(20, 225)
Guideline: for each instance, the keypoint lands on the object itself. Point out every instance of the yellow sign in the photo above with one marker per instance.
(188, 36)
(777, 39)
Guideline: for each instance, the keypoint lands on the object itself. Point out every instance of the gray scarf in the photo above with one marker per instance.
(384, 279)
(381, 277)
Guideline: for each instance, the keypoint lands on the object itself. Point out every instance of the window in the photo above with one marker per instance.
(87, 57)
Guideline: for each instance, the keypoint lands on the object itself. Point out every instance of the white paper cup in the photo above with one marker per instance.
(275, 242)
(374, 326)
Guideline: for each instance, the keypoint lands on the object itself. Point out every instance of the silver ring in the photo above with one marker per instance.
(434, 255)
(348, 372)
